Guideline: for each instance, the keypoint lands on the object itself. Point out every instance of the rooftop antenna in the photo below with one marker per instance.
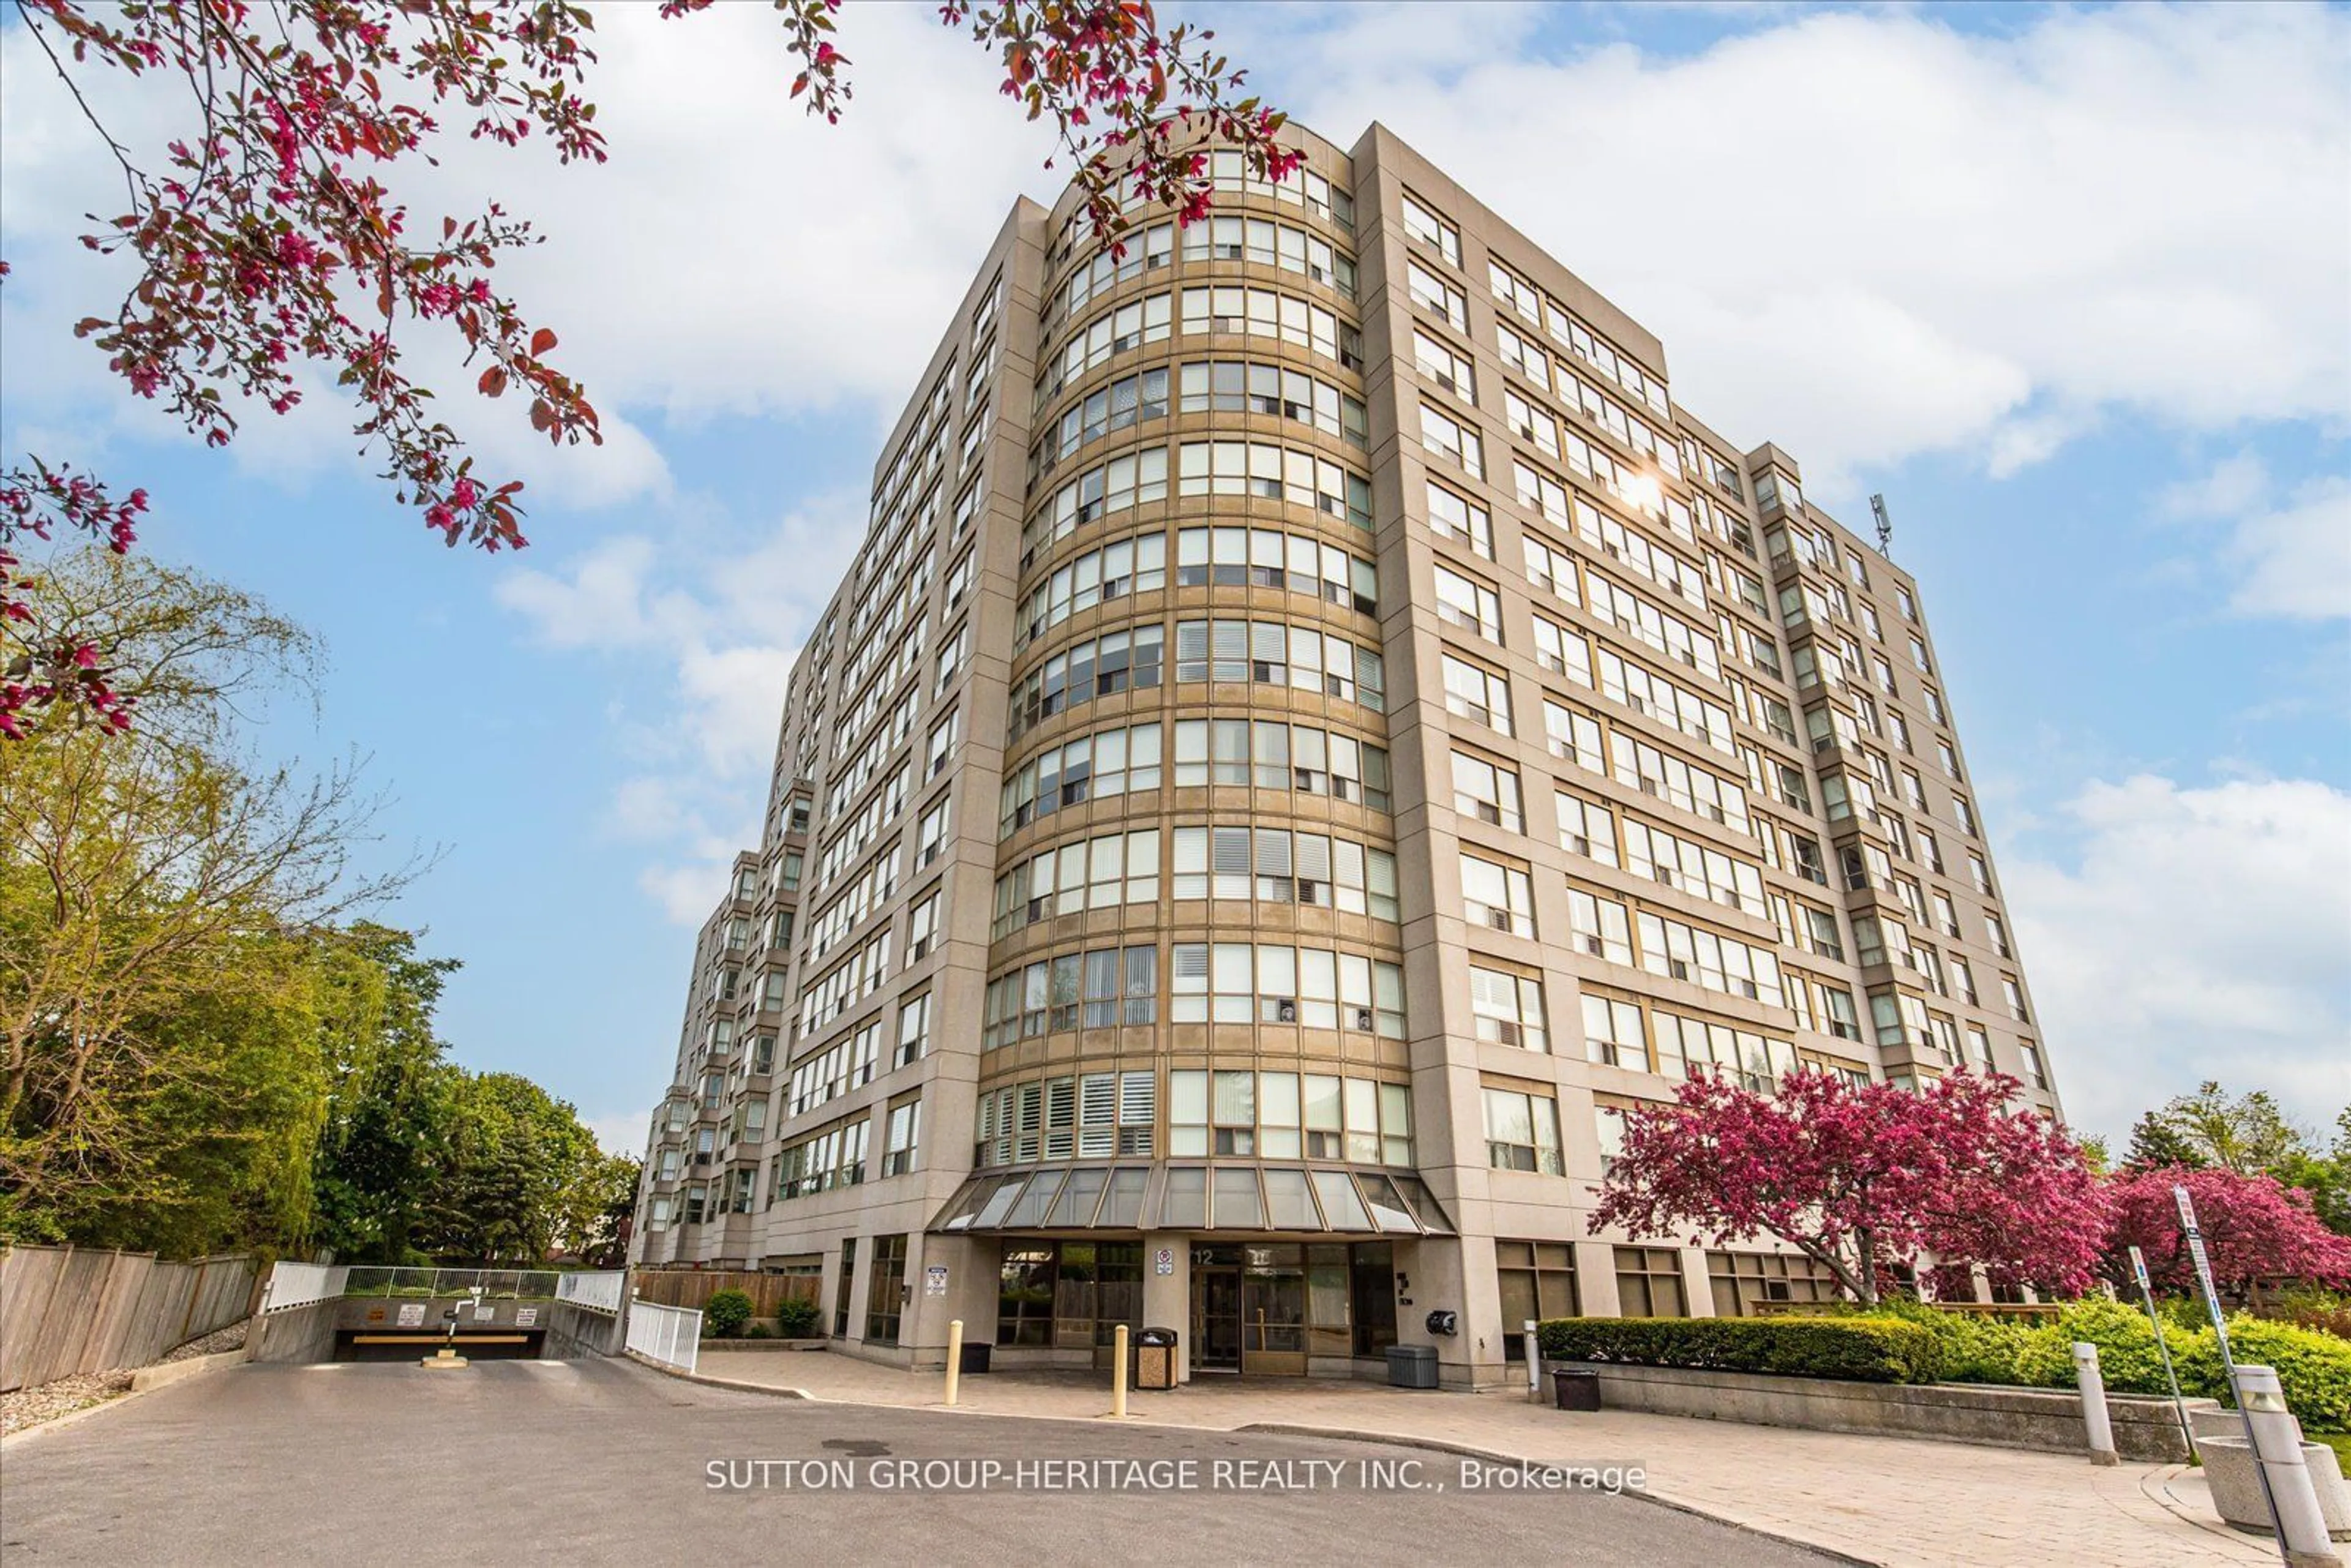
(1884, 526)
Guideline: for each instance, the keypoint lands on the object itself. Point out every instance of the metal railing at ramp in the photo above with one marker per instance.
(292, 1285)
(598, 1292)
(670, 1335)
(496, 1284)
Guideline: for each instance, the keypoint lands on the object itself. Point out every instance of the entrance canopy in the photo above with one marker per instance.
(1256, 1199)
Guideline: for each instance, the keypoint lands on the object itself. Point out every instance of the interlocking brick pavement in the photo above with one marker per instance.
(1893, 1500)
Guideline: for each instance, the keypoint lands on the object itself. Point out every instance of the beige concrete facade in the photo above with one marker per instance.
(1313, 728)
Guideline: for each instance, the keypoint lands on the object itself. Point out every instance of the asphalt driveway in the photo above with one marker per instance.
(603, 1462)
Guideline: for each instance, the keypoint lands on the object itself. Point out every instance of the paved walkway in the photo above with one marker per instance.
(1896, 1501)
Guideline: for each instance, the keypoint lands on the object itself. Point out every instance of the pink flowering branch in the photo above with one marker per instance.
(272, 237)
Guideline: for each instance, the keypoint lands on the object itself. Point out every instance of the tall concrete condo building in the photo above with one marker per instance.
(1314, 730)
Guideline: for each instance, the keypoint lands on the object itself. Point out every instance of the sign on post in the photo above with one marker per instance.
(2228, 1364)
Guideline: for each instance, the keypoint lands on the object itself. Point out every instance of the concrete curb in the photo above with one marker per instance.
(1269, 1428)
(737, 1383)
(163, 1374)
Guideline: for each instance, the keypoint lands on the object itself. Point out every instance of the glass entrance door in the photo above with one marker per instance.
(1273, 1323)
(1216, 1318)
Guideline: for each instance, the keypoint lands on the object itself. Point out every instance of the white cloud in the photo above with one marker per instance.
(2297, 557)
(2291, 555)
(1867, 236)
(2199, 933)
(721, 622)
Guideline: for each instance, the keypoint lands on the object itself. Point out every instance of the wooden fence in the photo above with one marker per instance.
(65, 1310)
(695, 1287)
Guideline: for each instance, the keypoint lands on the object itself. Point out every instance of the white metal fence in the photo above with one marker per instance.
(670, 1335)
(294, 1285)
(599, 1292)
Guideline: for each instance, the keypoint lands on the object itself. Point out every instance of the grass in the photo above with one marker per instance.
(2339, 1441)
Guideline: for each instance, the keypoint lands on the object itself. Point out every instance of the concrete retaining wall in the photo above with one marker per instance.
(573, 1333)
(297, 1334)
(2043, 1419)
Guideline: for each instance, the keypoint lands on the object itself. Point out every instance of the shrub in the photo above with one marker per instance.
(796, 1319)
(725, 1314)
(2313, 1368)
(1883, 1349)
(2127, 1360)
(754, 1329)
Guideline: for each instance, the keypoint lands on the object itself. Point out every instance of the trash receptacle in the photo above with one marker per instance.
(1155, 1359)
(974, 1357)
(1576, 1390)
(1411, 1366)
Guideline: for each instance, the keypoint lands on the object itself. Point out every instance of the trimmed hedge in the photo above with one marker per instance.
(1863, 1349)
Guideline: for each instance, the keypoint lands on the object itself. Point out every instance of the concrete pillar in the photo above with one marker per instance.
(1167, 1297)
(1695, 1292)
(1595, 1279)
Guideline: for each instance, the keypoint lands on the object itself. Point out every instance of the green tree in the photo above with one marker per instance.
(2247, 1134)
(390, 1102)
(161, 902)
(512, 1157)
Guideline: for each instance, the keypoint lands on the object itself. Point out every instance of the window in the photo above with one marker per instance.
(1487, 792)
(1964, 814)
(2036, 1072)
(1561, 650)
(1522, 1132)
(1432, 293)
(1585, 828)
(2013, 995)
(1474, 693)
(1287, 1115)
(886, 1290)
(1612, 1034)
(1308, 987)
(1442, 433)
(1507, 1007)
(1538, 1284)
(898, 1146)
(1649, 1282)
(1602, 929)
(1999, 933)
(1426, 227)
(1457, 519)
(914, 1030)
(951, 652)
(1471, 605)
(1499, 896)
(1741, 1281)
(931, 838)
(1949, 758)
(1574, 736)
(1445, 365)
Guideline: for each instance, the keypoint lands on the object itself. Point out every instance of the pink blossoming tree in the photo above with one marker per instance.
(1865, 1179)
(2255, 1228)
(276, 235)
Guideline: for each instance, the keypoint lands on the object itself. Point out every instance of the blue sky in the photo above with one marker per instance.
(2072, 287)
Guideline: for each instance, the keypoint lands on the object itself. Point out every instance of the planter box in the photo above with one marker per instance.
(710, 1344)
(2043, 1419)
(2235, 1476)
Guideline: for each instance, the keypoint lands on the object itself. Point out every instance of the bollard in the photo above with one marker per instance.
(1118, 1377)
(2277, 1449)
(2093, 1403)
(1534, 1366)
(955, 1357)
